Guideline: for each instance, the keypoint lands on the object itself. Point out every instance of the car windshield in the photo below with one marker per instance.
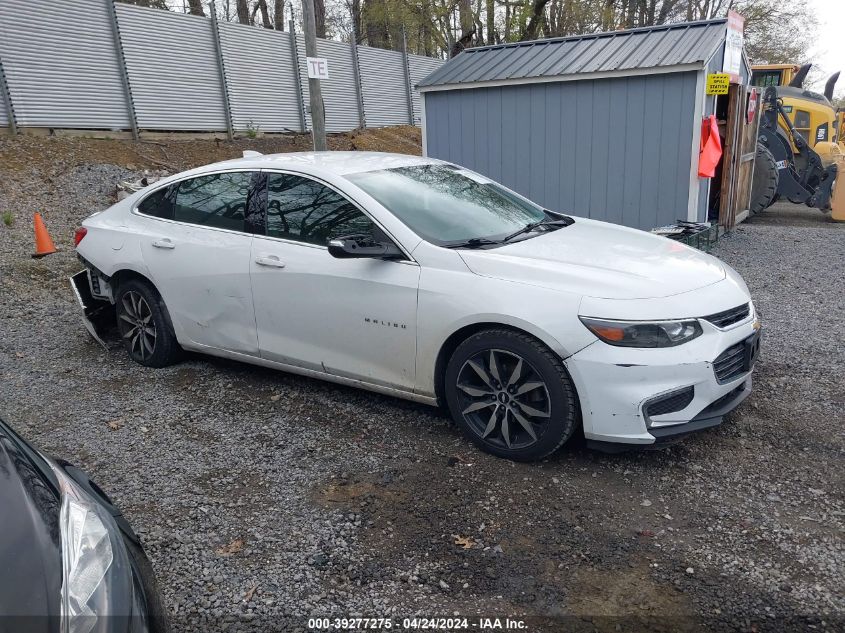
(446, 205)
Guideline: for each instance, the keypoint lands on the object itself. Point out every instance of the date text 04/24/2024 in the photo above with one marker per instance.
(417, 623)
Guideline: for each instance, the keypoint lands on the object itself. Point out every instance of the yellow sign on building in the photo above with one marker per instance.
(718, 83)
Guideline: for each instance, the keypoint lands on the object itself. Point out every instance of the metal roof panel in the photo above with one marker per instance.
(634, 49)
(605, 48)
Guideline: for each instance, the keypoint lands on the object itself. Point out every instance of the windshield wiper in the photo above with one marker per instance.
(474, 242)
(564, 221)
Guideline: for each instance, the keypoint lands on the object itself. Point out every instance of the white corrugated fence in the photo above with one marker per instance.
(92, 64)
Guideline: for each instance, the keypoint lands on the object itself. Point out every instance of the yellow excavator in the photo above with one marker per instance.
(798, 138)
(840, 128)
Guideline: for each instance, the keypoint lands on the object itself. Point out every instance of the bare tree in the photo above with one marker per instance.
(463, 42)
(243, 11)
(320, 17)
(265, 14)
(536, 20)
(375, 15)
(195, 7)
(279, 15)
(491, 21)
(354, 7)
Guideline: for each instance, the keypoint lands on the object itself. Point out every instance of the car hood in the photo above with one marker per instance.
(30, 555)
(601, 260)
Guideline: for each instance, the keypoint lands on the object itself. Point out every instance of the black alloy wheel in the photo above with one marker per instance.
(137, 327)
(511, 395)
(144, 328)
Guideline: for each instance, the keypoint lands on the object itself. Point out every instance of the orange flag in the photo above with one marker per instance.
(711, 148)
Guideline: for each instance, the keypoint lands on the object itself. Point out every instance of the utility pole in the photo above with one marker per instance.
(318, 114)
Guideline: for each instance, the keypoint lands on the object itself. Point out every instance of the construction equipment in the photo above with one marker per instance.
(802, 177)
(812, 113)
(797, 146)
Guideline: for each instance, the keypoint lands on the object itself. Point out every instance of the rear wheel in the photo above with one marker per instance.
(143, 325)
(511, 395)
(764, 185)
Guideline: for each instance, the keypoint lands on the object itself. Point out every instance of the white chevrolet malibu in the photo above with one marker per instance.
(423, 280)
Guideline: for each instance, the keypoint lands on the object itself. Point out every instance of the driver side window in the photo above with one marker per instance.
(304, 210)
(216, 200)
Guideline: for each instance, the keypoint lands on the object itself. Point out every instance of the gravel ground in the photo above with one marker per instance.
(263, 498)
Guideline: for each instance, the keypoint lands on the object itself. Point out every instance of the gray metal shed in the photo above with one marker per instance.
(606, 125)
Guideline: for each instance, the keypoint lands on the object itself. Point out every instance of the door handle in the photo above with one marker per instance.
(164, 243)
(269, 260)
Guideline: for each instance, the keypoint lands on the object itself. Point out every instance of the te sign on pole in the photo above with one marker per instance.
(733, 46)
(318, 67)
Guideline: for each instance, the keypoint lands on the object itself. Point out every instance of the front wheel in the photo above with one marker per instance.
(511, 395)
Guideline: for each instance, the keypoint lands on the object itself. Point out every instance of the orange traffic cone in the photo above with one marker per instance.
(43, 244)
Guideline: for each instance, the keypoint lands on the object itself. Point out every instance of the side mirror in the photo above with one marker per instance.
(362, 246)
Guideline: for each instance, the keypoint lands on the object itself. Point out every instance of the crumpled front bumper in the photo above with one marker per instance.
(615, 385)
(97, 314)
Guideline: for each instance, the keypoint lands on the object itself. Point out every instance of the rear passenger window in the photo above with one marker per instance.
(159, 204)
(216, 200)
(308, 211)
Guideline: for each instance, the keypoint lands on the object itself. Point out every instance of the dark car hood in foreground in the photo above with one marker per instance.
(30, 554)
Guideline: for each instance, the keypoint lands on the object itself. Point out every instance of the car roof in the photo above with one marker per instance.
(337, 163)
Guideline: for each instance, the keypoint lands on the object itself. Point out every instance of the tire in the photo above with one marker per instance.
(143, 325)
(764, 185)
(524, 408)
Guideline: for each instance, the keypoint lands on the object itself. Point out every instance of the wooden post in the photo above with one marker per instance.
(318, 113)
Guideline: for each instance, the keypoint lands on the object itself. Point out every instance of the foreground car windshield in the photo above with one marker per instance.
(444, 205)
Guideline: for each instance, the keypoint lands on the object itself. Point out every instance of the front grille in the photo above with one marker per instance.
(675, 401)
(729, 364)
(729, 317)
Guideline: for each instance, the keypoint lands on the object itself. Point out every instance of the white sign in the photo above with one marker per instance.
(318, 67)
(733, 46)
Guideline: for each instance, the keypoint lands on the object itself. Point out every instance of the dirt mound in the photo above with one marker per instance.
(53, 154)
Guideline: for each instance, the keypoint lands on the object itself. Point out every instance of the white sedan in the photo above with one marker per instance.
(423, 280)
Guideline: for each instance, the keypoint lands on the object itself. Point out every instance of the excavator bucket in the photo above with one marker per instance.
(803, 180)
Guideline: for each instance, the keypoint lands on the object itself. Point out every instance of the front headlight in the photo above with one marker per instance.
(643, 334)
(96, 572)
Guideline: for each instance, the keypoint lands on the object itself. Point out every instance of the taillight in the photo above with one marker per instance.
(79, 234)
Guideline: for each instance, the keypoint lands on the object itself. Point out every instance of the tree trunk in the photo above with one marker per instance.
(265, 14)
(376, 23)
(465, 15)
(491, 21)
(533, 27)
(320, 17)
(279, 15)
(464, 42)
(355, 14)
(425, 28)
(243, 11)
(195, 7)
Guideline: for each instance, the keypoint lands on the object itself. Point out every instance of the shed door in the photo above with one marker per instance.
(738, 158)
